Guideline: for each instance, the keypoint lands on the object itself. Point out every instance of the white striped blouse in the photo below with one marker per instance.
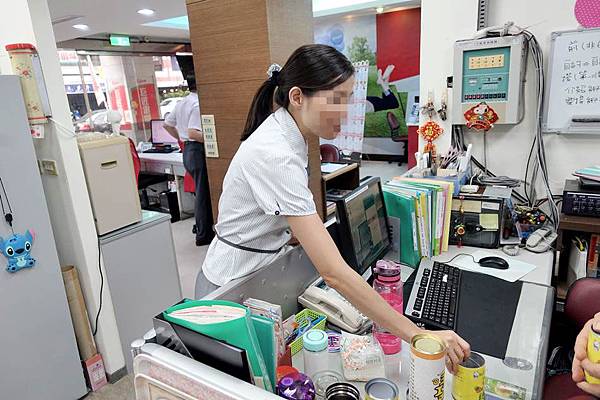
(267, 180)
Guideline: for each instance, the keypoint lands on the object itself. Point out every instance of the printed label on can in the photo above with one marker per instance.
(469, 381)
(593, 353)
(427, 378)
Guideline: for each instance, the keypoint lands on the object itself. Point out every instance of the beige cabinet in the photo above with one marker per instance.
(111, 181)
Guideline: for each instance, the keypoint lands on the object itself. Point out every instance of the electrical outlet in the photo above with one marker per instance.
(49, 167)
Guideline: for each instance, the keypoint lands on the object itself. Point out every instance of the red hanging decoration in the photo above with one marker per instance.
(481, 117)
(430, 131)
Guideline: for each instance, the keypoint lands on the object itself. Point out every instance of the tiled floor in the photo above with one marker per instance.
(189, 261)
(189, 256)
(121, 390)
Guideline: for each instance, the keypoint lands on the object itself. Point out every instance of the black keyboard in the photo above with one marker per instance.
(161, 150)
(434, 298)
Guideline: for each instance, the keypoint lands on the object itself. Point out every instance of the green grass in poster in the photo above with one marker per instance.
(376, 124)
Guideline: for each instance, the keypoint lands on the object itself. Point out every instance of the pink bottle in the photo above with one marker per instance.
(389, 286)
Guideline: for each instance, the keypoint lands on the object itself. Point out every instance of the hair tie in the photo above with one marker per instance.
(273, 72)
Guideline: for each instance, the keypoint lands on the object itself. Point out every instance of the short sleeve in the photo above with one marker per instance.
(171, 119)
(279, 184)
(194, 120)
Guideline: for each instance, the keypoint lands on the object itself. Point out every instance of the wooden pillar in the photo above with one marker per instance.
(234, 42)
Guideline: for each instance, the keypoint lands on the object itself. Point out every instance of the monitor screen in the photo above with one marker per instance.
(159, 134)
(363, 221)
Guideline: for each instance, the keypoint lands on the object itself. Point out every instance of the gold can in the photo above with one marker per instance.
(427, 375)
(593, 353)
(469, 381)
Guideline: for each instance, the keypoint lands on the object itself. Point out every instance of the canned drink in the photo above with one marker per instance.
(427, 374)
(381, 389)
(593, 353)
(342, 391)
(469, 381)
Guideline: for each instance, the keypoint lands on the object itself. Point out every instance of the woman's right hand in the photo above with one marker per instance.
(458, 348)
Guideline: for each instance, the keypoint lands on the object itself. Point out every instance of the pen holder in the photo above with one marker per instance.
(306, 315)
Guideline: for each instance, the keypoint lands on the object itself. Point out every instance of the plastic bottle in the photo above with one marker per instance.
(316, 361)
(388, 284)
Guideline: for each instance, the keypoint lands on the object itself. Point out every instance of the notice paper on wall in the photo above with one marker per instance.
(350, 140)
(516, 270)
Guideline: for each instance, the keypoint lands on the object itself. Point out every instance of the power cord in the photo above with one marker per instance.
(458, 255)
(8, 216)
(69, 132)
(101, 290)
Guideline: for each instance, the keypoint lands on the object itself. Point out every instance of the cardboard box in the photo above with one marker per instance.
(95, 374)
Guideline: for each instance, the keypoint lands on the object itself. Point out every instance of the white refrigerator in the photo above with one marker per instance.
(38, 352)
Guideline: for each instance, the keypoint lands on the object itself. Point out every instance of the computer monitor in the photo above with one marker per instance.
(159, 135)
(363, 226)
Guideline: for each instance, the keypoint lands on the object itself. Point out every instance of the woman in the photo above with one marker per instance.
(266, 195)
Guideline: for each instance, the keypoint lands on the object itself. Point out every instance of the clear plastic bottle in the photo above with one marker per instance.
(388, 284)
(316, 361)
(315, 352)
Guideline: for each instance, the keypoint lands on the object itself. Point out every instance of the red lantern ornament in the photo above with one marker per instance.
(481, 117)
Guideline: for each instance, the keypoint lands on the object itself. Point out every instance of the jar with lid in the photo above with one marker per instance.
(316, 360)
(315, 352)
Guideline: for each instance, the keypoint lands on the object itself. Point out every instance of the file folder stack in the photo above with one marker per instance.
(419, 215)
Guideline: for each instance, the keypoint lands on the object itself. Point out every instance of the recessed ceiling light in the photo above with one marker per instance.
(81, 27)
(379, 10)
(146, 11)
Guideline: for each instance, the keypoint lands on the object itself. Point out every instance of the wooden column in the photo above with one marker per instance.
(234, 42)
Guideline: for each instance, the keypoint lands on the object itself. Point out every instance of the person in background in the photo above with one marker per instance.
(581, 362)
(183, 123)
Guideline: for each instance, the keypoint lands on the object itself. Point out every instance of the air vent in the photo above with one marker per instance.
(66, 18)
(482, 15)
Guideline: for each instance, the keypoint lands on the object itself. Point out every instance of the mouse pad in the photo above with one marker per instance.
(487, 308)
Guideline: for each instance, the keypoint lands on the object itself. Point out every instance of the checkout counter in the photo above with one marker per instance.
(285, 279)
(281, 282)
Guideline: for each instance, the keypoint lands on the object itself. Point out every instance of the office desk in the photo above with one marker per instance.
(528, 342)
(544, 261)
(169, 164)
(283, 280)
(163, 163)
(542, 275)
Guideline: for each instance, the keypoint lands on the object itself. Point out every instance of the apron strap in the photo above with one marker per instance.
(250, 249)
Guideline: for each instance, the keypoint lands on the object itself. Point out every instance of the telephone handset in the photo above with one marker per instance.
(337, 309)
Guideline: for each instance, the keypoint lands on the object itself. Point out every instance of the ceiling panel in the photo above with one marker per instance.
(115, 16)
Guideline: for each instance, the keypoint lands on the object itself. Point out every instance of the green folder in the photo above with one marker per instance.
(437, 229)
(402, 208)
(422, 207)
(239, 332)
(265, 330)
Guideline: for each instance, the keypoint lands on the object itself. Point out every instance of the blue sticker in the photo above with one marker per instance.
(17, 250)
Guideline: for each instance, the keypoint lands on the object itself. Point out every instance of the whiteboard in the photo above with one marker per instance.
(572, 103)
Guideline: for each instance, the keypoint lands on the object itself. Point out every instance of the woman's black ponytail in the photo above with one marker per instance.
(262, 107)
(311, 67)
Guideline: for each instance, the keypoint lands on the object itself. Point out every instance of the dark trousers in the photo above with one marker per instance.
(194, 161)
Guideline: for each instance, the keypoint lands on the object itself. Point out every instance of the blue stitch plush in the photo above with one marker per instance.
(17, 249)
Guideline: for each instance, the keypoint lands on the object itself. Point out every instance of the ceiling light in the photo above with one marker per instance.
(379, 10)
(146, 11)
(81, 27)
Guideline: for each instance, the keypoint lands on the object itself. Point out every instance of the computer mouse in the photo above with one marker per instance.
(493, 262)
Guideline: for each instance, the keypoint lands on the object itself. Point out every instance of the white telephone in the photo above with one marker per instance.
(337, 309)
(143, 146)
